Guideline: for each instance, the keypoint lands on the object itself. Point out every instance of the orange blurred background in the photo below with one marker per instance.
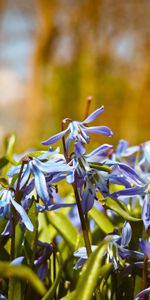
(53, 54)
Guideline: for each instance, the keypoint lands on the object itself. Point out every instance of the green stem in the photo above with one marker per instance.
(82, 220)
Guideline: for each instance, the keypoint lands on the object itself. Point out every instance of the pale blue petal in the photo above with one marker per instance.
(49, 153)
(122, 146)
(145, 247)
(130, 151)
(79, 149)
(17, 261)
(88, 197)
(74, 130)
(104, 130)
(137, 190)
(40, 184)
(24, 217)
(55, 138)
(126, 234)
(127, 253)
(80, 263)
(146, 212)
(14, 170)
(101, 150)
(50, 166)
(25, 176)
(94, 115)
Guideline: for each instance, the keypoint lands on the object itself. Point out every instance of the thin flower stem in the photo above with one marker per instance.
(82, 220)
(63, 138)
(144, 276)
(88, 104)
(12, 247)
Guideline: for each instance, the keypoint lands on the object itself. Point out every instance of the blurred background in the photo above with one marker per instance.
(55, 53)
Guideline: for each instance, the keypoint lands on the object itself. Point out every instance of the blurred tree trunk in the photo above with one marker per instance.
(46, 33)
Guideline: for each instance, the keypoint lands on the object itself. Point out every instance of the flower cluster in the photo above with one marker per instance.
(115, 182)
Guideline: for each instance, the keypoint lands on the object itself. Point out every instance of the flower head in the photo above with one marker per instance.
(79, 132)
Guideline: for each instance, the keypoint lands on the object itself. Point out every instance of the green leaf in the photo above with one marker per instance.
(69, 296)
(3, 182)
(64, 227)
(10, 145)
(3, 161)
(101, 167)
(22, 272)
(115, 206)
(101, 220)
(50, 294)
(90, 275)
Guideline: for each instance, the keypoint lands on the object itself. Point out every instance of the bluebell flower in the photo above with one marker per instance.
(41, 262)
(7, 200)
(116, 251)
(78, 131)
(39, 169)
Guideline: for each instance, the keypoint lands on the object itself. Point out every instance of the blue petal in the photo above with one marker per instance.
(14, 170)
(55, 138)
(122, 146)
(147, 151)
(119, 179)
(142, 293)
(130, 151)
(70, 177)
(41, 208)
(25, 176)
(145, 247)
(49, 153)
(94, 115)
(74, 130)
(17, 261)
(146, 212)
(126, 234)
(125, 170)
(100, 130)
(40, 184)
(137, 190)
(23, 215)
(79, 149)
(81, 252)
(130, 173)
(80, 263)
(88, 197)
(50, 166)
(8, 230)
(101, 150)
(127, 253)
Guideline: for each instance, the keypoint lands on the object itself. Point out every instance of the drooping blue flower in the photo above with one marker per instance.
(41, 262)
(117, 251)
(78, 131)
(7, 200)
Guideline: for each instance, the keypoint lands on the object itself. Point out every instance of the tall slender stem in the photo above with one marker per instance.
(89, 100)
(82, 220)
